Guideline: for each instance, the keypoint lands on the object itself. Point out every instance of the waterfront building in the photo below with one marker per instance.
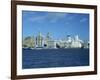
(28, 42)
(86, 44)
(51, 44)
(70, 42)
(69, 39)
(48, 40)
(61, 43)
(39, 40)
(76, 42)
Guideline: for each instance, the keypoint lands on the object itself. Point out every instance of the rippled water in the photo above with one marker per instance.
(45, 58)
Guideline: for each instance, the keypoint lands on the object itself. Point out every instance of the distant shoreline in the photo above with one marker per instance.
(52, 48)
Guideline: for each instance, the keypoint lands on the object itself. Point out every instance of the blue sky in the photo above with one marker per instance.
(58, 24)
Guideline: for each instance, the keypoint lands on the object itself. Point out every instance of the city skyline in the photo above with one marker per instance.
(58, 24)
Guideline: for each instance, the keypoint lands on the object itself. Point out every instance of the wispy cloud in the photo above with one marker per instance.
(54, 17)
(37, 18)
(83, 20)
(70, 19)
(50, 17)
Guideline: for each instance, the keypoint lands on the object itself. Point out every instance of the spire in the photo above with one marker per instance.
(76, 37)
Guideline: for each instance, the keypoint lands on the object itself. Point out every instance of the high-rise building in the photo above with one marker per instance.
(48, 39)
(39, 40)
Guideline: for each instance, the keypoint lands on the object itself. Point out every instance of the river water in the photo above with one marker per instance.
(46, 58)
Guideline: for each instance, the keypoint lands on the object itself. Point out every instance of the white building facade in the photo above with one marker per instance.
(41, 41)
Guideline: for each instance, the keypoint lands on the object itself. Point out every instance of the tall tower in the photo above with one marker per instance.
(69, 38)
(39, 40)
(47, 39)
(76, 38)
